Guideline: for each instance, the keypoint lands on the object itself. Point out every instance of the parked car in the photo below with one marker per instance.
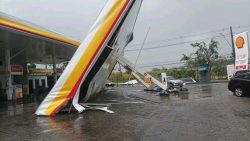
(188, 80)
(130, 83)
(109, 84)
(239, 83)
(175, 82)
(240, 72)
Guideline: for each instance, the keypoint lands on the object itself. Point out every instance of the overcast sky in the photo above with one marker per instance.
(173, 23)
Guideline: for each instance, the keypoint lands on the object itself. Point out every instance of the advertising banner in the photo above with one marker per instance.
(241, 43)
(40, 72)
(16, 70)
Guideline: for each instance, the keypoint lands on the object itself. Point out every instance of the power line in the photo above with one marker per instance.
(190, 35)
(180, 37)
(147, 66)
(161, 63)
(180, 43)
(245, 26)
(175, 62)
(174, 44)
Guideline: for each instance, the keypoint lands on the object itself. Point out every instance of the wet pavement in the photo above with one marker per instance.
(207, 112)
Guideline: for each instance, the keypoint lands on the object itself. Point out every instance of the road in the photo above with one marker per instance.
(206, 112)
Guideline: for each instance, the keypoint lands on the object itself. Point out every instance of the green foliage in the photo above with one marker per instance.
(120, 77)
(219, 69)
(181, 72)
(205, 55)
(156, 72)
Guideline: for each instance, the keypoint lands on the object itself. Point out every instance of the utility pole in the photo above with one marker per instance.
(232, 38)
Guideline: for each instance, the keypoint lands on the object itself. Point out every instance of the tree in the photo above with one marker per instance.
(205, 55)
(191, 65)
(190, 62)
(155, 72)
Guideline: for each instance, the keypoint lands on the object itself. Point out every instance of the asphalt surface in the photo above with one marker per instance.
(207, 112)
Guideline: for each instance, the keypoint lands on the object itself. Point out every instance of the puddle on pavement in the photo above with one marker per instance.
(183, 95)
(206, 88)
(205, 96)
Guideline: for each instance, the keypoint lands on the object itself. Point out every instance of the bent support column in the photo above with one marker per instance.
(128, 65)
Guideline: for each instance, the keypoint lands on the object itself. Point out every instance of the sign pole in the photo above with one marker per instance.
(232, 38)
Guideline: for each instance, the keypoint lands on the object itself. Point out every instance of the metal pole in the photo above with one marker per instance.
(233, 48)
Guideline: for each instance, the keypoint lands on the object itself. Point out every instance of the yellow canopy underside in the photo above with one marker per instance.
(24, 28)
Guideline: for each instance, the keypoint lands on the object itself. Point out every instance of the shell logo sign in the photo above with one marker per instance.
(240, 41)
(241, 51)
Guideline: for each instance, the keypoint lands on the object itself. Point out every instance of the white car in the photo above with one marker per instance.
(109, 84)
(130, 83)
(174, 82)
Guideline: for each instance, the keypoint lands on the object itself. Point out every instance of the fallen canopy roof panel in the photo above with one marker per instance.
(102, 33)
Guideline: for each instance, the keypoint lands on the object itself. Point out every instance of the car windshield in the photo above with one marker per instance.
(245, 75)
(171, 78)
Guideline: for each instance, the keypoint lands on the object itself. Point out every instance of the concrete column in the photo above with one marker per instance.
(25, 82)
(9, 87)
(46, 82)
(54, 64)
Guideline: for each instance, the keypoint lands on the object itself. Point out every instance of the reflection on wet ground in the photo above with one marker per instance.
(205, 112)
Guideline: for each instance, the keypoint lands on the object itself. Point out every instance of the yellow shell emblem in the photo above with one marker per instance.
(240, 42)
